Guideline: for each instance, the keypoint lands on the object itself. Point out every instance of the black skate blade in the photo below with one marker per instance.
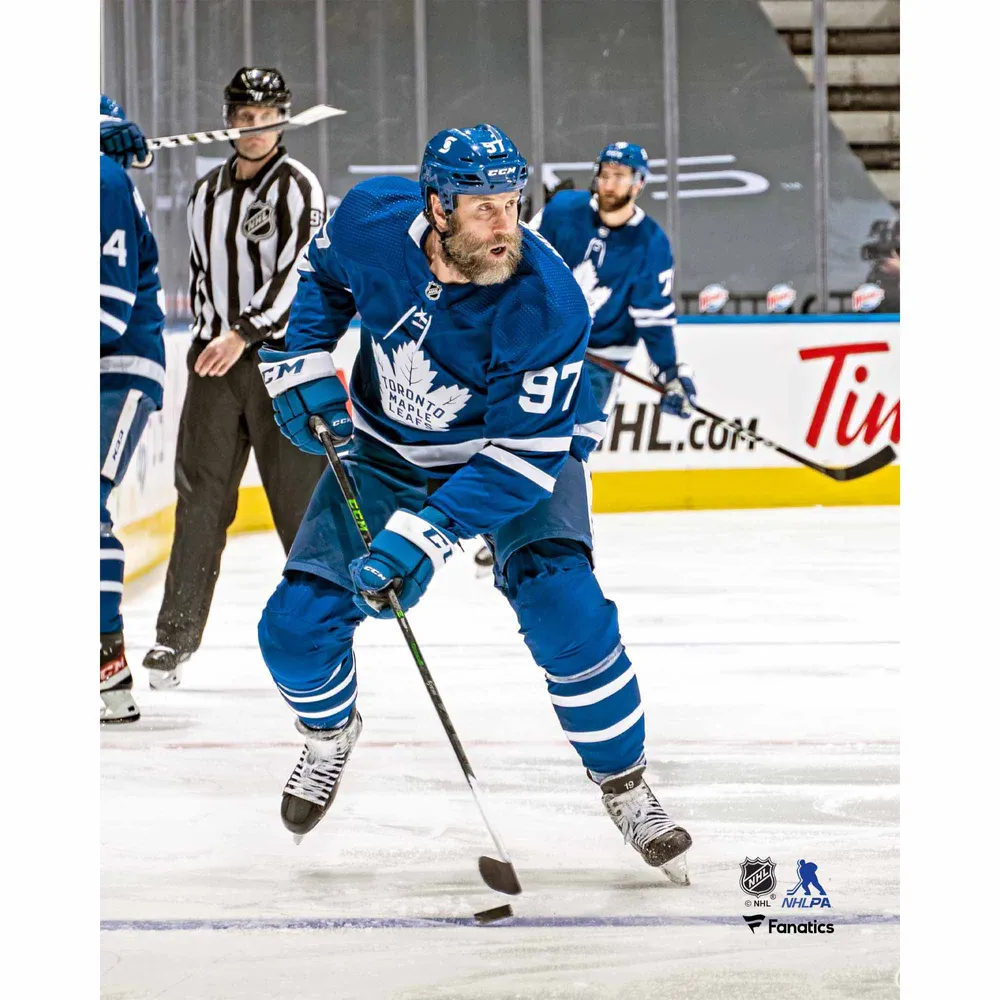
(492, 916)
(499, 875)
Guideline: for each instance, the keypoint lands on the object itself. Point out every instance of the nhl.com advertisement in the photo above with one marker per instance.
(829, 391)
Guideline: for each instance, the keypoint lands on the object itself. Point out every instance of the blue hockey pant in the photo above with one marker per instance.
(543, 567)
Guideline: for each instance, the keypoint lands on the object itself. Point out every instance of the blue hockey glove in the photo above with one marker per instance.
(304, 384)
(680, 393)
(123, 141)
(404, 556)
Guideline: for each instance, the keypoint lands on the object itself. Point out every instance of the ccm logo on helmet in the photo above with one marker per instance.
(500, 171)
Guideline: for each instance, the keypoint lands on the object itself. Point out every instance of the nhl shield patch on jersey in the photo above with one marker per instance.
(260, 221)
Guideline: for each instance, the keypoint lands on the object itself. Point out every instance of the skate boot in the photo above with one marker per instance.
(116, 681)
(164, 666)
(312, 786)
(645, 825)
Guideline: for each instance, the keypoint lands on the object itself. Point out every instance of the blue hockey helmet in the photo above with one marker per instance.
(628, 154)
(111, 109)
(477, 160)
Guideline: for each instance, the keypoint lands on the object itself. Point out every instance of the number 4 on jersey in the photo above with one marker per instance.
(115, 247)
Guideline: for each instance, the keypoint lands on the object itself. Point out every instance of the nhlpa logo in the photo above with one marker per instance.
(757, 876)
(813, 894)
(586, 277)
(259, 223)
(406, 383)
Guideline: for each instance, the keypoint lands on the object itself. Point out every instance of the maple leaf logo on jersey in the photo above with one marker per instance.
(406, 383)
(586, 277)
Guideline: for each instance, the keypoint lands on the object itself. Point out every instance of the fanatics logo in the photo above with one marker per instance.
(259, 223)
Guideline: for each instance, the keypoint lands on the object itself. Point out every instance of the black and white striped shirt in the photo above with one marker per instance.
(246, 237)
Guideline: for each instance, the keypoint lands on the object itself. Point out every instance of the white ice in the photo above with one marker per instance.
(767, 649)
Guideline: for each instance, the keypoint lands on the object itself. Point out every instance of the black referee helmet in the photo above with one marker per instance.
(260, 86)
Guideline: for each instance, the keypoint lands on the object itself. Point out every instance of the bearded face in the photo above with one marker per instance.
(489, 261)
(608, 202)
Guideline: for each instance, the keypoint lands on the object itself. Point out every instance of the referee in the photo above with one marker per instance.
(248, 220)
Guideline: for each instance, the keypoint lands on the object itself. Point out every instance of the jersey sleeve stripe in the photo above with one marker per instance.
(535, 444)
(113, 323)
(121, 294)
(122, 364)
(521, 466)
(616, 352)
(645, 324)
(594, 429)
(639, 313)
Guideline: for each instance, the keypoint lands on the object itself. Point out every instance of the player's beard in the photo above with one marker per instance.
(472, 259)
(611, 202)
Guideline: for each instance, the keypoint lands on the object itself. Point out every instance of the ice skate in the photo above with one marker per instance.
(116, 682)
(312, 786)
(645, 825)
(164, 666)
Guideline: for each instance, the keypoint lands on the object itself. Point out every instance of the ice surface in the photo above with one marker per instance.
(767, 649)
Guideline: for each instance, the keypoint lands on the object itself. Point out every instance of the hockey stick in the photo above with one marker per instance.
(498, 875)
(865, 467)
(310, 116)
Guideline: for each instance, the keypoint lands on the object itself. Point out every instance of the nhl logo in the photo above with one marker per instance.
(757, 876)
(259, 222)
(433, 291)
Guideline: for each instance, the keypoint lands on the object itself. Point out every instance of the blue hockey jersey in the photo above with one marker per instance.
(626, 273)
(478, 384)
(132, 302)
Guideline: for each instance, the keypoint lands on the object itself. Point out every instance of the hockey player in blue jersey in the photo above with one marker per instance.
(469, 417)
(624, 265)
(132, 373)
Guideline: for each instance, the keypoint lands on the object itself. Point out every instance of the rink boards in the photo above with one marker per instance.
(828, 389)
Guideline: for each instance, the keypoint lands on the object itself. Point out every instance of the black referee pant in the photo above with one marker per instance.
(223, 417)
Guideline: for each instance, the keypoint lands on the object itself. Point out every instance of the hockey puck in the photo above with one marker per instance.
(497, 913)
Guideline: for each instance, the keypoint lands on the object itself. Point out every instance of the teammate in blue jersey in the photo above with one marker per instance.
(624, 265)
(470, 416)
(132, 373)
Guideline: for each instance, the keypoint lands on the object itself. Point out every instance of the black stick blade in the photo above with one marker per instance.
(871, 464)
(499, 875)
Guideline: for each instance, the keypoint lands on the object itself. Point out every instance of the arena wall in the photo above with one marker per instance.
(825, 387)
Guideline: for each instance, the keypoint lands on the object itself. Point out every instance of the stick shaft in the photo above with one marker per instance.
(883, 458)
(326, 438)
